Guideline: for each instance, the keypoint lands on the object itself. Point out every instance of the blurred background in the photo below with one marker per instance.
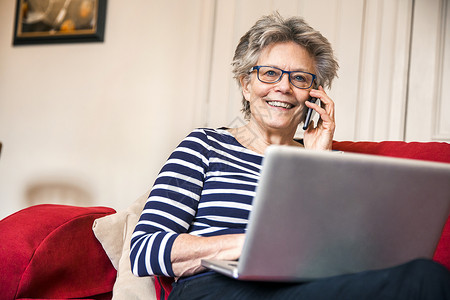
(92, 123)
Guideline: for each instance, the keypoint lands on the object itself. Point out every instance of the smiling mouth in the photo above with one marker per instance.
(280, 104)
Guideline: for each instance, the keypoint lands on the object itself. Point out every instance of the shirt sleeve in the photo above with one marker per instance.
(170, 208)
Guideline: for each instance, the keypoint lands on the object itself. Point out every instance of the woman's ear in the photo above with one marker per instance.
(246, 87)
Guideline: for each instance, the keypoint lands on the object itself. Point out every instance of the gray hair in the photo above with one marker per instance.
(275, 29)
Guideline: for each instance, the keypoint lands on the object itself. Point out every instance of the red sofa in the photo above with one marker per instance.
(50, 251)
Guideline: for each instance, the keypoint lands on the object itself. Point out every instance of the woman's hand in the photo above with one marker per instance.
(188, 251)
(320, 137)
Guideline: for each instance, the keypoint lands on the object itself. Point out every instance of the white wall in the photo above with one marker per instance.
(105, 116)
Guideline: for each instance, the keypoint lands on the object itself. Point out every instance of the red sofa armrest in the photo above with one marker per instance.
(49, 251)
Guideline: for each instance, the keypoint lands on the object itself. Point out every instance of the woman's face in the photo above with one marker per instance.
(279, 106)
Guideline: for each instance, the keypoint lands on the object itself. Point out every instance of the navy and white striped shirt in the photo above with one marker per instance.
(205, 188)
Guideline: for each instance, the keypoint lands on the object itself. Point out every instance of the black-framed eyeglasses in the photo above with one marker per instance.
(269, 74)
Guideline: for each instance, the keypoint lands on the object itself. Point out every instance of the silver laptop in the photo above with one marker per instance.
(319, 214)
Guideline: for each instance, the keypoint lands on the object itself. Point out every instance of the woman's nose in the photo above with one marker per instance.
(284, 85)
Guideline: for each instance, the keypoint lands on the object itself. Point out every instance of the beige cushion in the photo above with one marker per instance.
(114, 233)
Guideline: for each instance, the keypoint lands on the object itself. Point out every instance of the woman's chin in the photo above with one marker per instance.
(281, 126)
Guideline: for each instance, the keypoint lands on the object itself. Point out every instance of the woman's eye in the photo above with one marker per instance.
(299, 78)
(271, 73)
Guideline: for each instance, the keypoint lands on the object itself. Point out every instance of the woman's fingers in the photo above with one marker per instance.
(328, 104)
(321, 136)
(325, 110)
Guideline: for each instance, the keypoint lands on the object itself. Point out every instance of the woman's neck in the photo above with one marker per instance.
(257, 139)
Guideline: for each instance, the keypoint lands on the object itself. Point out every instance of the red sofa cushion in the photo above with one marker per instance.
(431, 151)
(50, 251)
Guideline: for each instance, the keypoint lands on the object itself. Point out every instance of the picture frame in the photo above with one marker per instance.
(59, 21)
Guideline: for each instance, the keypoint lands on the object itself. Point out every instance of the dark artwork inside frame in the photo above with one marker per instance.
(56, 21)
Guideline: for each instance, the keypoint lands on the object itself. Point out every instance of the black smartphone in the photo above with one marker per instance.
(309, 113)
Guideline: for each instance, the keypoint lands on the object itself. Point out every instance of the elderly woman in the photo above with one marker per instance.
(200, 203)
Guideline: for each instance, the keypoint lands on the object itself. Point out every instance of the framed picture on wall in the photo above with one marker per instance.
(59, 21)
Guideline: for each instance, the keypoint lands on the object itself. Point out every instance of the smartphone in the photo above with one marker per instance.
(309, 113)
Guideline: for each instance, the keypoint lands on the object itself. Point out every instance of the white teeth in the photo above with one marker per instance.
(280, 104)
